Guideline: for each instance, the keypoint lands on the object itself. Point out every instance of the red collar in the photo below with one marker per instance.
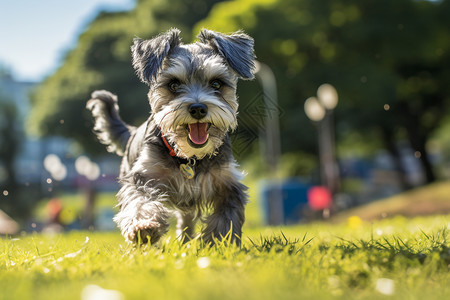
(171, 151)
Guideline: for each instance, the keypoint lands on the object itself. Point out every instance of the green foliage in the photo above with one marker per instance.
(9, 137)
(297, 165)
(388, 60)
(9, 147)
(320, 261)
(102, 60)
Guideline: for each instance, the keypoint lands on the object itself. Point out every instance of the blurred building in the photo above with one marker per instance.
(29, 160)
(16, 92)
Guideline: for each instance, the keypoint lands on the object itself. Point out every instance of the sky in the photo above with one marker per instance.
(35, 34)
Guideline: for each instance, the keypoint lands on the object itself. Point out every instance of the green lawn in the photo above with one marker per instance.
(426, 200)
(393, 258)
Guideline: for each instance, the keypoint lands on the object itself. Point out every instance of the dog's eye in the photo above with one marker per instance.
(174, 85)
(215, 84)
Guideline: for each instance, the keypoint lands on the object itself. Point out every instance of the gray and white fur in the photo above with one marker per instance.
(193, 107)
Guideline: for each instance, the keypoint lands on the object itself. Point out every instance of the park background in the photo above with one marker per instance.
(388, 61)
(386, 143)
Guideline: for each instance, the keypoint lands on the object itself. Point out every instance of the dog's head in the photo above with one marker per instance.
(193, 87)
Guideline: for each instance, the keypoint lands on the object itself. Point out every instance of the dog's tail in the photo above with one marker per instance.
(108, 126)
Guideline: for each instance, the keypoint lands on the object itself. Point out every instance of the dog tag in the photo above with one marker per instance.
(187, 171)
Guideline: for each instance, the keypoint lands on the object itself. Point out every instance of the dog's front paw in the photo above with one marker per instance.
(145, 231)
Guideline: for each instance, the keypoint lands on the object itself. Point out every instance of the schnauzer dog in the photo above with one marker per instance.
(180, 162)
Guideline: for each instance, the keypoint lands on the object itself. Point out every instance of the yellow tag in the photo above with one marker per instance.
(187, 171)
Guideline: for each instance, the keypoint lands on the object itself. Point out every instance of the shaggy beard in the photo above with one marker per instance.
(173, 120)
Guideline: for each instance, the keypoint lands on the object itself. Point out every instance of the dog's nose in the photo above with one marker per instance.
(198, 110)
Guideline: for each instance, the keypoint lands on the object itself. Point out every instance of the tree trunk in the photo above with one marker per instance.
(418, 142)
(421, 150)
(389, 143)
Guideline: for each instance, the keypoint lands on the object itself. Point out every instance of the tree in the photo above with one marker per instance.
(388, 59)
(102, 60)
(9, 146)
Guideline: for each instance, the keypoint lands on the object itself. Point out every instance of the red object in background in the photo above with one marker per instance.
(54, 208)
(319, 198)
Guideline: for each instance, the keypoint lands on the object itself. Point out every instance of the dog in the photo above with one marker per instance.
(180, 161)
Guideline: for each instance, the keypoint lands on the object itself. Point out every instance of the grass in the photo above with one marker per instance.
(427, 200)
(397, 258)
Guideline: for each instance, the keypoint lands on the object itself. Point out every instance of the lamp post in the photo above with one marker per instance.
(272, 147)
(91, 171)
(320, 110)
(271, 122)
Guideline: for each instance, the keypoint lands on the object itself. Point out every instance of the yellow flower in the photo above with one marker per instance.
(354, 222)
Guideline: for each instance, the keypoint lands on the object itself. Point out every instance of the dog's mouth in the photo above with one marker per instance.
(198, 134)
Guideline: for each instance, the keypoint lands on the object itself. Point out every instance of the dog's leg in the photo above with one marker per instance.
(228, 216)
(141, 212)
(185, 226)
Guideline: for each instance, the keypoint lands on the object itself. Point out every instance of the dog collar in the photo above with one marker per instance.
(171, 151)
(187, 169)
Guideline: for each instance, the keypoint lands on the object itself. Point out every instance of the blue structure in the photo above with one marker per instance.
(294, 201)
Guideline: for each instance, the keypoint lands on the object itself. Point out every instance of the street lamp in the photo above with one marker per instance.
(268, 83)
(272, 147)
(314, 110)
(320, 110)
(55, 167)
(89, 169)
(328, 96)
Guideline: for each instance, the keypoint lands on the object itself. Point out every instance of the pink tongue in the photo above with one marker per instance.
(198, 134)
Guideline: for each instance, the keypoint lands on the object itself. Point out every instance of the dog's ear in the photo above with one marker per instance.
(148, 55)
(236, 48)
